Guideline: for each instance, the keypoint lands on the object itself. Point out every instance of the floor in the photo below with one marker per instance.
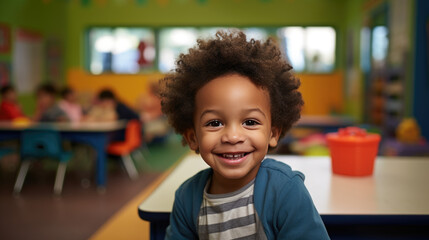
(81, 210)
(126, 224)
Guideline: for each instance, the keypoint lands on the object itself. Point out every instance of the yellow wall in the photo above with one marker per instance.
(128, 88)
(322, 93)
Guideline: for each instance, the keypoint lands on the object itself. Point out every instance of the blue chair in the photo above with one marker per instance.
(42, 143)
(5, 151)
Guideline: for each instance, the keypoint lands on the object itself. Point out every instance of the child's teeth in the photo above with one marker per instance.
(233, 155)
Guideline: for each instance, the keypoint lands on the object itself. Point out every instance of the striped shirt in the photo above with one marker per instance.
(229, 216)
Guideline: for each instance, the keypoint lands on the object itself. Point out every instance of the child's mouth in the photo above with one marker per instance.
(233, 158)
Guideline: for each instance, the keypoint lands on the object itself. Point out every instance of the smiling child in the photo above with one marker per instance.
(231, 100)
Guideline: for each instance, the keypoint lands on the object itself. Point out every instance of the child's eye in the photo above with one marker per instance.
(214, 123)
(250, 123)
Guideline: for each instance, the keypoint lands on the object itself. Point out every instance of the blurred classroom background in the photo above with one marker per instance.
(361, 63)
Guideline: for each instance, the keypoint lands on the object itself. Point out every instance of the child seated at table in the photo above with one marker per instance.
(9, 107)
(69, 104)
(47, 109)
(109, 108)
(156, 127)
(232, 99)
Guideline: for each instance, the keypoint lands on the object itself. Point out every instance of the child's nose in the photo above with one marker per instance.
(233, 135)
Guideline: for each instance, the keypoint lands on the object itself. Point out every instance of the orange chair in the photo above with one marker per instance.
(133, 141)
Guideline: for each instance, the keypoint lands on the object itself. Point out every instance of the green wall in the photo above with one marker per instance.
(352, 73)
(47, 18)
(199, 13)
(68, 20)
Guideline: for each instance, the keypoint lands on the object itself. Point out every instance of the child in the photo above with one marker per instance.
(69, 105)
(47, 108)
(232, 100)
(155, 124)
(110, 108)
(103, 109)
(9, 108)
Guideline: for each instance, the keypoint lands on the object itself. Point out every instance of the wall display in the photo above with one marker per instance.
(54, 60)
(27, 65)
(4, 38)
(4, 73)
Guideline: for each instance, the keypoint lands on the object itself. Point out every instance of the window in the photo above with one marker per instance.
(309, 49)
(174, 41)
(121, 50)
(380, 43)
(125, 50)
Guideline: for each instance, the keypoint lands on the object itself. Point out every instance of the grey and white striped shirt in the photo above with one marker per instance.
(229, 216)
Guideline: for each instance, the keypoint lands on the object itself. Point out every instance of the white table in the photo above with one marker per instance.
(94, 134)
(398, 188)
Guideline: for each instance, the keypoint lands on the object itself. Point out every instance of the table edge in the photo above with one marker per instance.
(158, 182)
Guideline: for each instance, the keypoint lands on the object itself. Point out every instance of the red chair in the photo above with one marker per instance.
(133, 141)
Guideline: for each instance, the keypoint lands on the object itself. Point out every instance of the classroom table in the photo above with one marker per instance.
(94, 134)
(393, 203)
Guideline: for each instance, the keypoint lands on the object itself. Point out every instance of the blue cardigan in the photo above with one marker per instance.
(282, 202)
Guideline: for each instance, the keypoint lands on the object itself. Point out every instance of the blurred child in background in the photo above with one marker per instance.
(69, 105)
(102, 110)
(9, 107)
(47, 109)
(109, 108)
(149, 106)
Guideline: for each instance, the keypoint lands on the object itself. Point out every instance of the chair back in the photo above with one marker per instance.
(133, 135)
(40, 143)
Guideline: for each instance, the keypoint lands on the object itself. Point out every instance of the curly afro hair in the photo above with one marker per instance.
(227, 53)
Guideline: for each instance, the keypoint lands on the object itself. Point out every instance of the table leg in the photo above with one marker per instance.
(99, 141)
(157, 230)
(100, 147)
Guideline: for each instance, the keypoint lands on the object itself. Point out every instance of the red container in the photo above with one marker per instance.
(353, 151)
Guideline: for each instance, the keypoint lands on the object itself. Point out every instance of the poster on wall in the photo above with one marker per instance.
(53, 55)
(4, 38)
(4, 73)
(27, 64)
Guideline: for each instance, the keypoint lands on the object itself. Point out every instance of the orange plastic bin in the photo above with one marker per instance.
(353, 151)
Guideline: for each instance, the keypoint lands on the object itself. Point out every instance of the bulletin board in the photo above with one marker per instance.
(53, 61)
(4, 73)
(27, 65)
(4, 39)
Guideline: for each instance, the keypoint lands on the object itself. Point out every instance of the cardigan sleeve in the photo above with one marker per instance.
(180, 224)
(187, 202)
(297, 217)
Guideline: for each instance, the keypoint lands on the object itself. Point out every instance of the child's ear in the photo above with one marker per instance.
(274, 139)
(191, 139)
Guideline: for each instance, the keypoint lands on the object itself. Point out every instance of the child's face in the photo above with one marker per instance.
(107, 103)
(45, 100)
(10, 96)
(232, 127)
(71, 97)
